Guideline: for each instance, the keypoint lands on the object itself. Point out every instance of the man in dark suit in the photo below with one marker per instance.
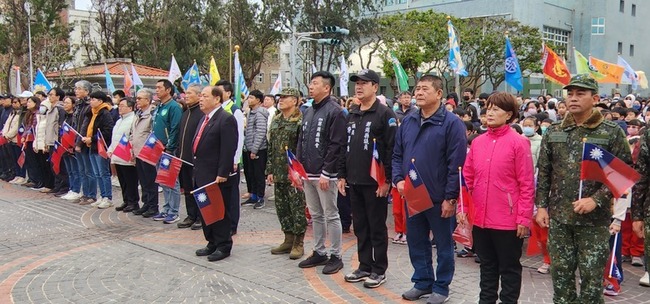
(214, 148)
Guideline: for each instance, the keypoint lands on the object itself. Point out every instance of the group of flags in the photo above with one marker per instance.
(131, 80)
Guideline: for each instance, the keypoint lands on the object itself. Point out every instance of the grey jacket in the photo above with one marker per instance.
(141, 129)
(256, 126)
(54, 119)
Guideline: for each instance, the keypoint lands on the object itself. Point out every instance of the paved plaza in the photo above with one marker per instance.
(54, 251)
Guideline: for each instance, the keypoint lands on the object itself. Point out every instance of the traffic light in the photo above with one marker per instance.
(336, 29)
(330, 41)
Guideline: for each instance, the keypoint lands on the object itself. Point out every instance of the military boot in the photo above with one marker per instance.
(285, 247)
(298, 249)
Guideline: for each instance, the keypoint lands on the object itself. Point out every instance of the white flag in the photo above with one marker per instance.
(174, 71)
(136, 78)
(629, 75)
(313, 69)
(344, 77)
(18, 86)
(277, 86)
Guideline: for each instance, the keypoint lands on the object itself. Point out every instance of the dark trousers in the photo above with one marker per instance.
(233, 203)
(61, 179)
(19, 171)
(5, 159)
(128, 177)
(254, 172)
(500, 251)
(218, 234)
(45, 167)
(187, 184)
(369, 218)
(31, 164)
(147, 179)
(345, 210)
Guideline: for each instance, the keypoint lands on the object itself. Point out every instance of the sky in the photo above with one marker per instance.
(83, 4)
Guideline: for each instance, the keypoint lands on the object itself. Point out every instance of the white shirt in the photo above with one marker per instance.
(239, 116)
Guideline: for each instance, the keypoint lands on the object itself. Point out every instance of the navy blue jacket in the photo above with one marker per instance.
(438, 145)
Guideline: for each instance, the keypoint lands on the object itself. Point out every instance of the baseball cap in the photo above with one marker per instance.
(583, 81)
(367, 75)
(26, 94)
(289, 92)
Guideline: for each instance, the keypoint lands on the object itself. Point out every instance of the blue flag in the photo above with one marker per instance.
(455, 61)
(41, 83)
(109, 81)
(191, 76)
(512, 69)
(240, 82)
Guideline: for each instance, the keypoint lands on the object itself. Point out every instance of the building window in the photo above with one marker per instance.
(598, 26)
(389, 2)
(274, 76)
(631, 50)
(259, 78)
(620, 47)
(633, 10)
(401, 1)
(621, 6)
(557, 37)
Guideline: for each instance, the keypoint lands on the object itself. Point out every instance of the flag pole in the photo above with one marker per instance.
(102, 136)
(584, 141)
(191, 164)
(611, 265)
(202, 187)
(460, 184)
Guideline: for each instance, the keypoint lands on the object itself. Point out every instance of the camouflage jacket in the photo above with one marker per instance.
(282, 133)
(640, 197)
(560, 158)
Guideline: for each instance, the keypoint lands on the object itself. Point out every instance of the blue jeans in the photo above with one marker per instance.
(86, 174)
(172, 198)
(418, 228)
(74, 176)
(102, 174)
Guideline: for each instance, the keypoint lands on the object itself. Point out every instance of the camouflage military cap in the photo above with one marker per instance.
(289, 92)
(583, 81)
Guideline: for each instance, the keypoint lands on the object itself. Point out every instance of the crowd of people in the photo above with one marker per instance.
(519, 158)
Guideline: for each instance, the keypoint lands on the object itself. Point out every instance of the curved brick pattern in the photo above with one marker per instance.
(55, 251)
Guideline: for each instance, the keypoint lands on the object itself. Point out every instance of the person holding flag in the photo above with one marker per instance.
(499, 175)
(30, 122)
(365, 167)
(82, 89)
(67, 140)
(140, 131)
(96, 131)
(10, 133)
(431, 130)
(54, 117)
(577, 212)
(126, 171)
(641, 203)
(289, 202)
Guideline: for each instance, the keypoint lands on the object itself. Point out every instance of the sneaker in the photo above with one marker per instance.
(141, 210)
(357, 276)
(465, 253)
(637, 261)
(314, 260)
(171, 218)
(401, 240)
(13, 181)
(198, 225)
(375, 280)
(21, 181)
(159, 189)
(414, 294)
(159, 217)
(97, 202)
(248, 202)
(397, 238)
(645, 280)
(610, 290)
(87, 201)
(115, 182)
(106, 203)
(44, 190)
(333, 265)
(436, 298)
(73, 196)
(186, 223)
(544, 269)
(259, 204)
(626, 258)
(67, 195)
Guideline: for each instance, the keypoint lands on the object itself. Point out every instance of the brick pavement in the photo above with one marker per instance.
(54, 251)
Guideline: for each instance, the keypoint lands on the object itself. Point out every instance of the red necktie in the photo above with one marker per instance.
(198, 135)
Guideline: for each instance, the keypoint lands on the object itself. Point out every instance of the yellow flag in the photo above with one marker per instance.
(612, 72)
(643, 81)
(214, 72)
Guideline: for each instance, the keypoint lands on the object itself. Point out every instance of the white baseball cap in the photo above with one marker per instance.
(26, 94)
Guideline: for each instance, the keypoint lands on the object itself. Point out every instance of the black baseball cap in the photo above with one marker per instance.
(367, 75)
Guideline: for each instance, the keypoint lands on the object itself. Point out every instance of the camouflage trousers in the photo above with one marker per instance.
(290, 207)
(646, 241)
(577, 247)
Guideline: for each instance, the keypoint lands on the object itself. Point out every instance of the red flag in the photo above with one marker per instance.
(28, 135)
(101, 145)
(377, 171)
(463, 234)
(603, 167)
(19, 135)
(296, 170)
(21, 159)
(210, 203)
(537, 242)
(612, 275)
(415, 192)
(123, 149)
(554, 67)
(152, 150)
(168, 170)
(68, 136)
(56, 156)
(128, 83)
(3, 140)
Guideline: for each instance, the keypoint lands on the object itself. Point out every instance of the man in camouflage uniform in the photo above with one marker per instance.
(578, 234)
(641, 202)
(289, 202)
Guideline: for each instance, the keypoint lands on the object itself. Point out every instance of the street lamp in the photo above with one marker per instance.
(297, 38)
(28, 9)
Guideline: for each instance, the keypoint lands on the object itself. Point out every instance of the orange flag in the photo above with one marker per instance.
(128, 83)
(554, 67)
(612, 72)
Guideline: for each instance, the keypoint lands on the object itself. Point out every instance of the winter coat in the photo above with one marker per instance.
(103, 122)
(141, 129)
(256, 127)
(122, 127)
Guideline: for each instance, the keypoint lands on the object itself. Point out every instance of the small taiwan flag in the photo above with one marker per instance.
(3, 140)
(19, 135)
(168, 170)
(603, 167)
(55, 157)
(152, 150)
(21, 159)
(377, 171)
(415, 192)
(210, 203)
(123, 149)
(68, 136)
(101, 145)
(612, 275)
(296, 170)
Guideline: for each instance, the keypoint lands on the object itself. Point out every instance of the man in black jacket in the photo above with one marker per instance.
(319, 147)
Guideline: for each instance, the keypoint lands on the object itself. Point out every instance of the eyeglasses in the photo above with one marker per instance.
(141, 98)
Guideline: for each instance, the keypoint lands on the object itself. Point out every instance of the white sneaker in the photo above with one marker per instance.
(637, 261)
(67, 195)
(159, 189)
(645, 280)
(73, 196)
(104, 203)
(20, 181)
(13, 181)
(115, 182)
(97, 202)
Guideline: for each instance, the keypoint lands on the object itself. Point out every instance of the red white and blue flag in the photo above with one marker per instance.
(3, 140)
(415, 192)
(19, 135)
(603, 167)
(101, 145)
(28, 135)
(56, 156)
(21, 158)
(152, 150)
(123, 149)
(68, 136)
(612, 275)
(168, 170)
(210, 203)
(463, 234)
(296, 170)
(377, 171)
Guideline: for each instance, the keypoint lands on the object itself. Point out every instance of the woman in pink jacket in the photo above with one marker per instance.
(499, 173)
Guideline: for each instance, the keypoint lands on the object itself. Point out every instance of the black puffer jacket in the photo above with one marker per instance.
(104, 122)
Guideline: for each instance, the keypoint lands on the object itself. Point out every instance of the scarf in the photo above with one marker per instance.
(91, 124)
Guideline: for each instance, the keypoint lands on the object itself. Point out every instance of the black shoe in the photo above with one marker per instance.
(140, 211)
(314, 260)
(198, 225)
(233, 232)
(61, 193)
(248, 202)
(186, 223)
(121, 207)
(150, 213)
(10, 177)
(130, 208)
(333, 265)
(218, 255)
(205, 251)
(29, 184)
(259, 204)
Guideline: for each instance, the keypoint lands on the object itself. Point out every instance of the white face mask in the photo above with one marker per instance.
(42, 110)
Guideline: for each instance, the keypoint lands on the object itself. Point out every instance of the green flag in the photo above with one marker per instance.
(400, 74)
(583, 66)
